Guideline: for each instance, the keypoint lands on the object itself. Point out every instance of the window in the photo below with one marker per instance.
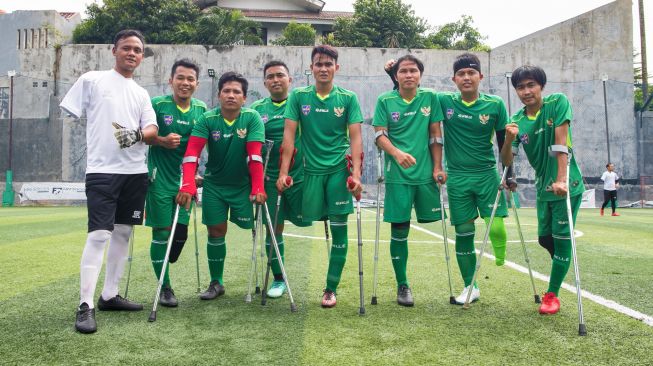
(19, 39)
(35, 41)
(264, 35)
(4, 102)
(46, 37)
(24, 38)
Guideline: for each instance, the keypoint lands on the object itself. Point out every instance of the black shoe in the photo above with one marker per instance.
(85, 321)
(405, 296)
(117, 303)
(215, 289)
(168, 298)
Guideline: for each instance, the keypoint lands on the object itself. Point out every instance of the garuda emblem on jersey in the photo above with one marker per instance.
(524, 139)
(426, 111)
(242, 132)
(216, 135)
(549, 122)
(395, 116)
(306, 109)
(264, 118)
(449, 113)
(167, 119)
(339, 111)
(484, 118)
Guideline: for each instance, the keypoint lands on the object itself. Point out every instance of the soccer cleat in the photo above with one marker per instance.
(215, 289)
(615, 214)
(476, 294)
(550, 304)
(328, 299)
(405, 296)
(601, 211)
(85, 320)
(118, 303)
(168, 298)
(277, 289)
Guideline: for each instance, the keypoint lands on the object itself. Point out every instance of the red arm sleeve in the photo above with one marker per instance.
(189, 164)
(255, 164)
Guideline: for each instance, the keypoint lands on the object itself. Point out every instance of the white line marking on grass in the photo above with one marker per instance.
(353, 239)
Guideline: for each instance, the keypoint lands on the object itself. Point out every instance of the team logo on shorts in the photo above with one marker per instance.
(216, 135)
(449, 113)
(549, 122)
(242, 132)
(167, 119)
(306, 109)
(264, 118)
(136, 215)
(339, 111)
(395, 116)
(524, 139)
(484, 118)
(426, 111)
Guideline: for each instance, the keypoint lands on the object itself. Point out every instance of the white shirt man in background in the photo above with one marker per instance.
(610, 184)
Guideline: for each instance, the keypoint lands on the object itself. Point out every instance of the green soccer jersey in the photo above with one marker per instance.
(227, 164)
(323, 124)
(408, 126)
(164, 164)
(272, 117)
(537, 134)
(469, 131)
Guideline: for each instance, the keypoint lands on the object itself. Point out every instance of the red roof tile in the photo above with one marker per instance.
(326, 15)
(67, 15)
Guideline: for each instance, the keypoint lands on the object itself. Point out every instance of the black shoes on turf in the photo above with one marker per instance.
(215, 289)
(118, 303)
(168, 298)
(405, 296)
(85, 321)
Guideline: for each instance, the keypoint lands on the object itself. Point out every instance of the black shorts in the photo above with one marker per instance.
(608, 195)
(115, 199)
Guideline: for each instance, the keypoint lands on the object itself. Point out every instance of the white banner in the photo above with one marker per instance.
(52, 191)
(589, 199)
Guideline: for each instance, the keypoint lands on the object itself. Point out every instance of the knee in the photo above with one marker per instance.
(122, 231)
(98, 238)
(338, 218)
(498, 229)
(217, 231)
(467, 228)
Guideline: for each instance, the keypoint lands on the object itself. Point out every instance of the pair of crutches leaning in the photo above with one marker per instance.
(581, 322)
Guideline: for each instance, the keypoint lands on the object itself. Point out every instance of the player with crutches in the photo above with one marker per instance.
(543, 129)
(359, 230)
(407, 125)
(233, 179)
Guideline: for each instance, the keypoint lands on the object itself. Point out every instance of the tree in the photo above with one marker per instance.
(381, 23)
(460, 35)
(227, 27)
(295, 34)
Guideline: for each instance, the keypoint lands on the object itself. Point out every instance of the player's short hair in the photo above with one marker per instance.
(466, 61)
(607, 165)
(409, 58)
(528, 72)
(233, 76)
(324, 49)
(274, 63)
(184, 62)
(126, 33)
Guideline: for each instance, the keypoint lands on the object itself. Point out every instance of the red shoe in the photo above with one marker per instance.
(550, 304)
(601, 211)
(328, 299)
(615, 214)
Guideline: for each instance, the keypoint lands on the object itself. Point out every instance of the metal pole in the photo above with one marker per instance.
(11, 118)
(508, 93)
(605, 106)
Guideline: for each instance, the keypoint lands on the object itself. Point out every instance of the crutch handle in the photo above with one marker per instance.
(351, 185)
(288, 182)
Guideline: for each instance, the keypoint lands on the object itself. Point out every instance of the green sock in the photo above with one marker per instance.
(216, 251)
(560, 263)
(498, 238)
(399, 251)
(276, 268)
(465, 254)
(158, 254)
(338, 257)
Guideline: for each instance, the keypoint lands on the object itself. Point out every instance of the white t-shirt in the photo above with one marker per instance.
(108, 97)
(609, 180)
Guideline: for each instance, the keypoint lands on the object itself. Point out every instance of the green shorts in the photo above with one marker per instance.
(400, 198)
(160, 209)
(326, 195)
(290, 206)
(217, 200)
(552, 216)
(471, 195)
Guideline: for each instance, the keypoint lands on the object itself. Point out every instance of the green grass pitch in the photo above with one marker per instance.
(40, 249)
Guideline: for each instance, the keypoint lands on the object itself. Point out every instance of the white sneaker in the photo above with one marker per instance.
(476, 294)
(277, 289)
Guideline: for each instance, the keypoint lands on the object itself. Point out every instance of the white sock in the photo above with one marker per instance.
(116, 258)
(91, 264)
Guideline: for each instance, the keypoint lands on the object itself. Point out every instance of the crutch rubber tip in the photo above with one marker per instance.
(537, 299)
(452, 300)
(293, 308)
(361, 311)
(257, 290)
(582, 331)
(374, 300)
(248, 298)
(152, 316)
(264, 300)
(466, 306)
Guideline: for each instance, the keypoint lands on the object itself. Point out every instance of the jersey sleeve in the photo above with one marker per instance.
(436, 109)
(201, 128)
(354, 115)
(603, 176)
(562, 111)
(380, 115)
(292, 111)
(502, 116)
(78, 97)
(255, 126)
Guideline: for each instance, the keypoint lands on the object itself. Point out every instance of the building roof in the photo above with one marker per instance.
(282, 14)
(67, 14)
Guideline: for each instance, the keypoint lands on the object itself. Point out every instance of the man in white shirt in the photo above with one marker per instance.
(610, 184)
(120, 120)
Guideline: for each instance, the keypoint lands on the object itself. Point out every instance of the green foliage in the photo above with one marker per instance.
(460, 35)
(347, 33)
(295, 34)
(227, 27)
(639, 98)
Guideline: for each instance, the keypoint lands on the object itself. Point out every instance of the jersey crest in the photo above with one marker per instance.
(484, 118)
(306, 109)
(426, 111)
(167, 119)
(339, 111)
(242, 132)
(549, 122)
(449, 113)
(264, 118)
(524, 139)
(216, 135)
